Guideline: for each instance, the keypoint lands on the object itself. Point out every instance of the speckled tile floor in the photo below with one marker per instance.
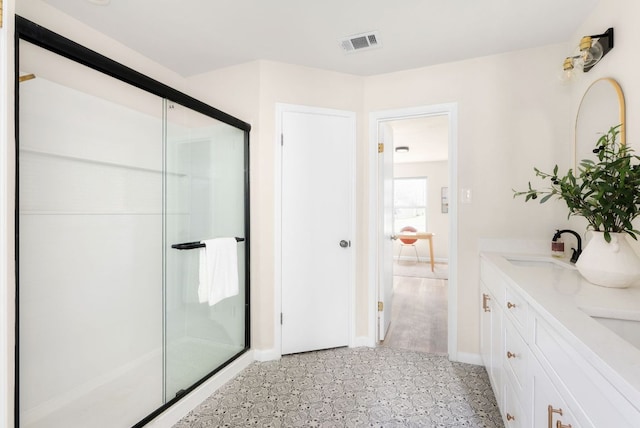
(352, 387)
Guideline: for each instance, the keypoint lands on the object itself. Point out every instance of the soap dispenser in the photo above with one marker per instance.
(557, 247)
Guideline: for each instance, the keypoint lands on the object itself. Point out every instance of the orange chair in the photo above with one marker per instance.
(408, 242)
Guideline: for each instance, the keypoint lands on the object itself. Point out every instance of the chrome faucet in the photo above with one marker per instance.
(575, 253)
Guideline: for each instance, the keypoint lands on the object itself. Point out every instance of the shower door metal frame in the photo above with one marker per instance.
(33, 33)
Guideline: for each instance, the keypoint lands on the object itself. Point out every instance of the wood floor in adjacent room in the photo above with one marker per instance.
(418, 315)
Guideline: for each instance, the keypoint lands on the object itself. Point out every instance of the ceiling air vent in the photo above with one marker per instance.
(359, 42)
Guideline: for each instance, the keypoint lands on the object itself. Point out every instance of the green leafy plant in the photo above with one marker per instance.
(606, 191)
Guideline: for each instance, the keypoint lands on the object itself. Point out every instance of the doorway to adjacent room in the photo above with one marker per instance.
(415, 230)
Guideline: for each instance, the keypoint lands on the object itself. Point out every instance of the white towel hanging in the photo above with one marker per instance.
(218, 270)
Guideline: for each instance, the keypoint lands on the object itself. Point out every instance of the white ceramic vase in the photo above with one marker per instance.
(609, 264)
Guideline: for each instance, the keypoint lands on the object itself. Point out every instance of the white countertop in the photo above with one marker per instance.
(558, 294)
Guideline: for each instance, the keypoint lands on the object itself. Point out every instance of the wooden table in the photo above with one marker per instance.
(420, 235)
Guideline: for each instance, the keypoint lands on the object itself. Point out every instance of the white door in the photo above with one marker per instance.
(317, 221)
(385, 252)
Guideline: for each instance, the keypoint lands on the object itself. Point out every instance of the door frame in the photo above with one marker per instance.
(282, 108)
(450, 110)
(7, 208)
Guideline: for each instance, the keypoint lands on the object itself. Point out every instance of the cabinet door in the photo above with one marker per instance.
(492, 341)
(549, 409)
(485, 327)
(497, 350)
(514, 414)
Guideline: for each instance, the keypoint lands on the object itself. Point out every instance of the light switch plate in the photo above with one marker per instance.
(465, 195)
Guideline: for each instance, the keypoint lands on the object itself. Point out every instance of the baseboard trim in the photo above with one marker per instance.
(468, 358)
(172, 415)
(272, 355)
(420, 259)
(266, 355)
(363, 341)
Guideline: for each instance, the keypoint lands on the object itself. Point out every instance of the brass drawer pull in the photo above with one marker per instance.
(510, 354)
(550, 412)
(485, 299)
(559, 424)
(510, 417)
(511, 305)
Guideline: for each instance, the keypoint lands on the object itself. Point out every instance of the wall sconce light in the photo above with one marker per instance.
(402, 149)
(591, 50)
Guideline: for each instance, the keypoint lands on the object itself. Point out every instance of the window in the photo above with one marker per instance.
(410, 203)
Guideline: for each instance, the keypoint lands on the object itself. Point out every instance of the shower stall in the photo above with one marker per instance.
(119, 179)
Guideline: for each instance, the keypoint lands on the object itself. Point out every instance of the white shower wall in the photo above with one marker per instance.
(90, 224)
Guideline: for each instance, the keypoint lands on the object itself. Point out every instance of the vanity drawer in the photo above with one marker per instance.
(514, 414)
(516, 355)
(516, 309)
(601, 405)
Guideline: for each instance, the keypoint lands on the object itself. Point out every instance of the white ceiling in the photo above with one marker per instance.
(196, 36)
(426, 137)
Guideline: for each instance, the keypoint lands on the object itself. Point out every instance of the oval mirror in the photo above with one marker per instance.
(601, 108)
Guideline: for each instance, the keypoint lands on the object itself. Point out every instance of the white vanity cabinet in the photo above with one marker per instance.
(549, 410)
(491, 341)
(596, 402)
(504, 352)
(538, 346)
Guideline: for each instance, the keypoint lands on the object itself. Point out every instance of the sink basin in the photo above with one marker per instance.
(627, 329)
(543, 262)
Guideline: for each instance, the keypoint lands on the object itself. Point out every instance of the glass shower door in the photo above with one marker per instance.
(90, 246)
(204, 199)
(114, 185)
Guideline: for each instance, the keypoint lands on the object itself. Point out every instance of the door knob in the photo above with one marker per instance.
(345, 244)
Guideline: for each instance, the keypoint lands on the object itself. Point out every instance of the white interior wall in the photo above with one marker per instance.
(437, 174)
(7, 256)
(619, 64)
(290, 84)
(512, 115)
(251, 91)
